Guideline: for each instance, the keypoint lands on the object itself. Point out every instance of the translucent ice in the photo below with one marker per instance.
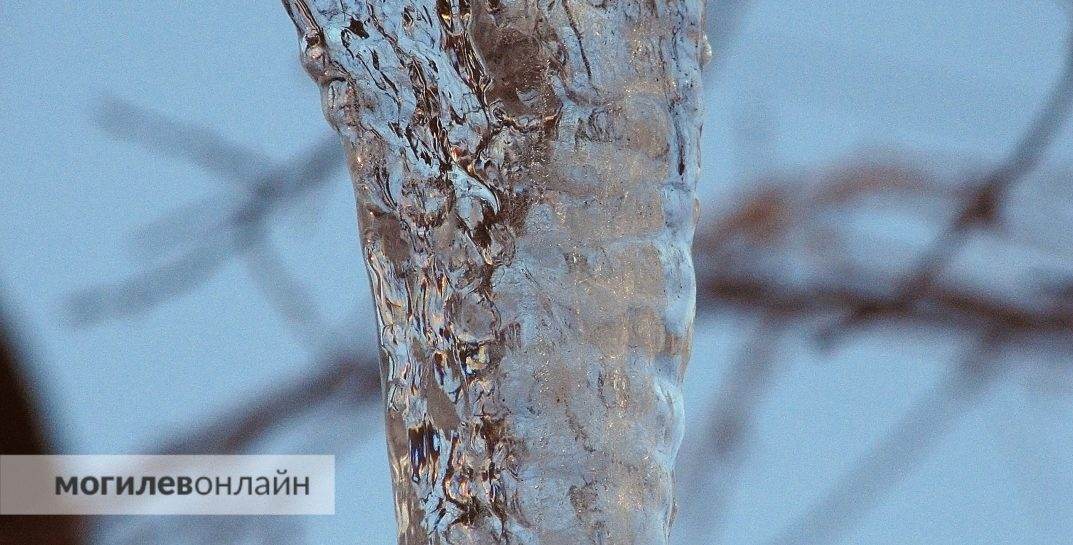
(525, 176)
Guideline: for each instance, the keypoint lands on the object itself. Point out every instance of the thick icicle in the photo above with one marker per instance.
(525, 174)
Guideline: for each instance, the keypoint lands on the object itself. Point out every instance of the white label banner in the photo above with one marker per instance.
(167, 485)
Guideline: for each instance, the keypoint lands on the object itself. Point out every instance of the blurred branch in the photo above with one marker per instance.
(167, 136)
(354, 376)
(758, 226)
(983, 203)
(210, 232)
(886, 464)
(150, 288)
(737, 275)
(286, 293)
(954, 308)
(22, 432)
(214, 230)
(351, 377)
(760, 217)
(716, 464)
(755, 227)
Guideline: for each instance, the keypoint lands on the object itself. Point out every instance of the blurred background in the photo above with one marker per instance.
(884, 342)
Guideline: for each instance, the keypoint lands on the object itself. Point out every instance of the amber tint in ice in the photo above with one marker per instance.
(525, 176)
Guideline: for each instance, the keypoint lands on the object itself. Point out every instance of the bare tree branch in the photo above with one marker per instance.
(286, 293)
(916, 297)
(210, 233)
(982, 205)
(167, 136)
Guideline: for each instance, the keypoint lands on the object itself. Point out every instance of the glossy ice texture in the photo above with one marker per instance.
(525, 174)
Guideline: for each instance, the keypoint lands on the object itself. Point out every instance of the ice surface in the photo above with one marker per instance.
(525, 175)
